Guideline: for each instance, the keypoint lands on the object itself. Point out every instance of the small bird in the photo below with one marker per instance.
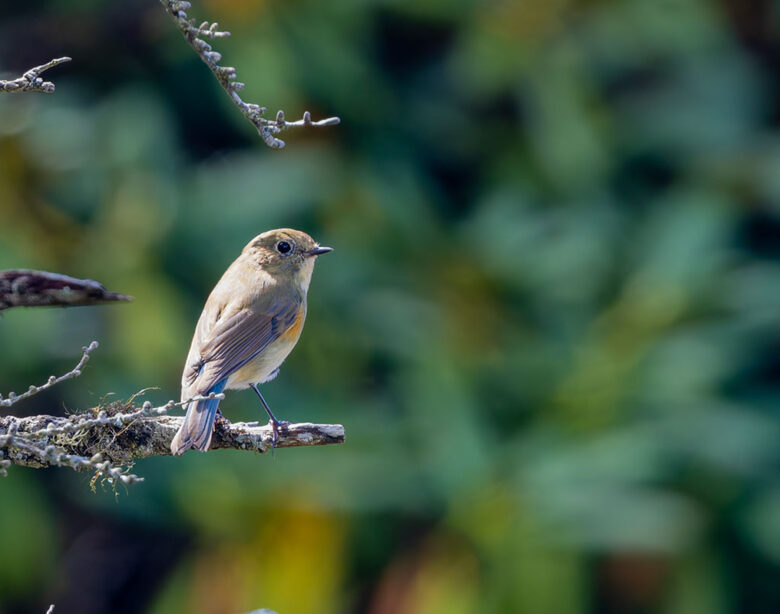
(250, 323)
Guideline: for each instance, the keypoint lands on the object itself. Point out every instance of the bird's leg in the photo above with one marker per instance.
(275, 424)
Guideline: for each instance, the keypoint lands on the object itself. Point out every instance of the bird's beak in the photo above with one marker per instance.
(318, 251)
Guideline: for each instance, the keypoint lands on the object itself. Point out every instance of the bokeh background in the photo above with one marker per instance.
(551, 325)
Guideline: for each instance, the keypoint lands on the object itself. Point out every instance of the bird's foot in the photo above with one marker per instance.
(276, 425)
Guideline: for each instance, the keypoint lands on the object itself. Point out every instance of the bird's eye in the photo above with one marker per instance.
(283, 247)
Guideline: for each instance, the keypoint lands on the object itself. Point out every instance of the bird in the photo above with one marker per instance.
(250, 323)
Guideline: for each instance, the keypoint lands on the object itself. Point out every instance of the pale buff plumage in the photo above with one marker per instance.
(250, 323)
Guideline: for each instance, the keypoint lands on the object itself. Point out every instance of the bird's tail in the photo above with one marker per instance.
(198, 424)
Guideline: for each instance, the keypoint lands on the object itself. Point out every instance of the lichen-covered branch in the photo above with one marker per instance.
(36, 442)
(133, 433)
(23, 288)
(108, 439)
(226, 75)
(31, 81)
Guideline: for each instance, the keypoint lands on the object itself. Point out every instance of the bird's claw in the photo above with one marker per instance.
(275, 426)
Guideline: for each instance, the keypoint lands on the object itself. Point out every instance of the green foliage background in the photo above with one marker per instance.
(550, 325)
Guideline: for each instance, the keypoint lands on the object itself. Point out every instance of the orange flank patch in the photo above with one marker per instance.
(292, 333)
(264, 363)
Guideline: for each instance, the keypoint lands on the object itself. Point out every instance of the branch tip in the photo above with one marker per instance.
(25, 288)
(31, 80)
(226, 76)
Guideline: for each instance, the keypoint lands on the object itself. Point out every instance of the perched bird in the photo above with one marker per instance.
(250, 323)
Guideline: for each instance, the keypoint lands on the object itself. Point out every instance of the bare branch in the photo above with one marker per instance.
(52, 381)
(226, 75)
(24, 288)
(31, 81)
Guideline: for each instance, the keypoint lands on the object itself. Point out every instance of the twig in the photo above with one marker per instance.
(24, 288)
(52, 381)
(226, 76)
(31, 81)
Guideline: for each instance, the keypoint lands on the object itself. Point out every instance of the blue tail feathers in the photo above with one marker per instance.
(198, 423)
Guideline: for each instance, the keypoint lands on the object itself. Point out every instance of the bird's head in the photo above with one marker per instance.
(286, 254)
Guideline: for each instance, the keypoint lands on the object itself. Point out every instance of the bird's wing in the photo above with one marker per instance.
(209, 318)
(238, 339)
